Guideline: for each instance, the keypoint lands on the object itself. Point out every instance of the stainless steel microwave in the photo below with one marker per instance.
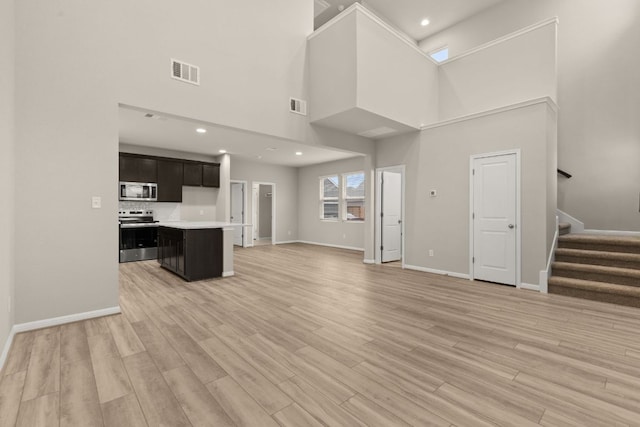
(138, 191)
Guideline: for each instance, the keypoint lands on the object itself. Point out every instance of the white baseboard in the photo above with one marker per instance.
(351, 248)
(5, 350)
(55, 321)
(286, 242)
(613, 232)
(577, 226)
(228, 273)
(530, 287)
(434, 271)
(369, 261)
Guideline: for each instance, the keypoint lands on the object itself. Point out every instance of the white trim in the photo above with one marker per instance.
(434, 271)
(613, 232)
(401, 169)
(245, 205)
(228, 273)
(504, 38)
(7, 346)
(55, 321)
(351, 248)
(286, 242)
(577, 226)
(530, 287)
(375, 18)
(472, 158)
(546, 273)
(369, 261)
(523, 104)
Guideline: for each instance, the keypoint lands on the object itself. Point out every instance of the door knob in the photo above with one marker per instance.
(511, 226)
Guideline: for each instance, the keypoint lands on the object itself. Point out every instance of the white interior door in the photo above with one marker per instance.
(237, 211)
(391, 195)
(494, 219)
(256, 210)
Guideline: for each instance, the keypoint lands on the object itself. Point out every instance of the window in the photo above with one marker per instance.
(329, 197)
(354, 196)
(441, 54)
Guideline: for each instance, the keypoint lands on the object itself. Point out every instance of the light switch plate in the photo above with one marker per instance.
(96, 202)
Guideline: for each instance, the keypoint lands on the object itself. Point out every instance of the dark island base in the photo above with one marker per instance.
(193, 254)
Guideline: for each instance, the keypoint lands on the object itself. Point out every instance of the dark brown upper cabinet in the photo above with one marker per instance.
(170, 180)
(198, 174)
(211, 175)
(135, 168)
(193, 174)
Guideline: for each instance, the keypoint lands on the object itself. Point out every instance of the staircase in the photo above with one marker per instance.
(597, 267)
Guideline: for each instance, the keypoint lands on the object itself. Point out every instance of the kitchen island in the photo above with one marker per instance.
(196, 250)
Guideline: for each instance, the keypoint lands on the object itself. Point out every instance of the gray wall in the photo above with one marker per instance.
(312, 228)
(286, 180)
(264, 210)
(7, 143)
(598, 95)
(438, 158)
(67, 119)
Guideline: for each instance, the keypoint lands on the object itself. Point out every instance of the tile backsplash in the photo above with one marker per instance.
(161, 211)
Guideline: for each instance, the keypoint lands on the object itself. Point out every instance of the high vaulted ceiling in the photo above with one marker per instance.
(406, 15)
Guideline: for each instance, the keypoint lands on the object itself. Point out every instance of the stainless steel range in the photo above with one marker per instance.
(138, 235)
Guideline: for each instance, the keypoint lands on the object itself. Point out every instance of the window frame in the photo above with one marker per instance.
(323, 199)
(438, 50)
(345, 198)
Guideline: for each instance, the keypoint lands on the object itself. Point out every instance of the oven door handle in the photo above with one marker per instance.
(139, 225)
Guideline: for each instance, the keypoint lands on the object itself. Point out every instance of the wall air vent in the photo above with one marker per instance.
(298, 106)
(185, 72)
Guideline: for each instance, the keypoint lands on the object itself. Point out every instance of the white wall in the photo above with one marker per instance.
(315, 230)
(77, 61)
(394, 79)
(438, 158)
(598, 96)
(7, 147)
(511, 71)
(286, 193)
(332, 69)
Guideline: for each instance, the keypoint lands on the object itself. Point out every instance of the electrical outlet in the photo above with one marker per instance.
(344, 236)
(201, 212)
(430, 252)
(289, 232)
(96, 202)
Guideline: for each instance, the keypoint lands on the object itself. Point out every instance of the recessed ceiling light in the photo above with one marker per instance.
(201, 130)
(222, 151)
(424, 22)
(298, 153)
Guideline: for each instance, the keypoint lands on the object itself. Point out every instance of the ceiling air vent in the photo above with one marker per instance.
(185, 72)
(298, 106)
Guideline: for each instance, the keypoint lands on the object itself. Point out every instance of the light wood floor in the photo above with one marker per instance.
(307, 335)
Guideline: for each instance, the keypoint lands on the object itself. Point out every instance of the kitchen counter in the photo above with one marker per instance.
(196, 225)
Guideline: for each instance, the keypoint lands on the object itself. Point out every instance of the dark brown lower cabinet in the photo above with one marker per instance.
(194, 254)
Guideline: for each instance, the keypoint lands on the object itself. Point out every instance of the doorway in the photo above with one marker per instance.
(238, 203)
(495, 218)
(264, 213)
(389, 224)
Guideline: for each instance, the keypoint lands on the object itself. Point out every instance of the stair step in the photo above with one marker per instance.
(597, 273)
(564, 228)
(610, 259)
(596, 291)
(626, 244)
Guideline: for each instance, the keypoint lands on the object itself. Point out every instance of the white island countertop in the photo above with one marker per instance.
(194, 225)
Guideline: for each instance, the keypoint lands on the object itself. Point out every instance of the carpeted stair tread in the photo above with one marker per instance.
(597, 273)
(629, 244)
(597, 291)
(610, 259)
(564, 228)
